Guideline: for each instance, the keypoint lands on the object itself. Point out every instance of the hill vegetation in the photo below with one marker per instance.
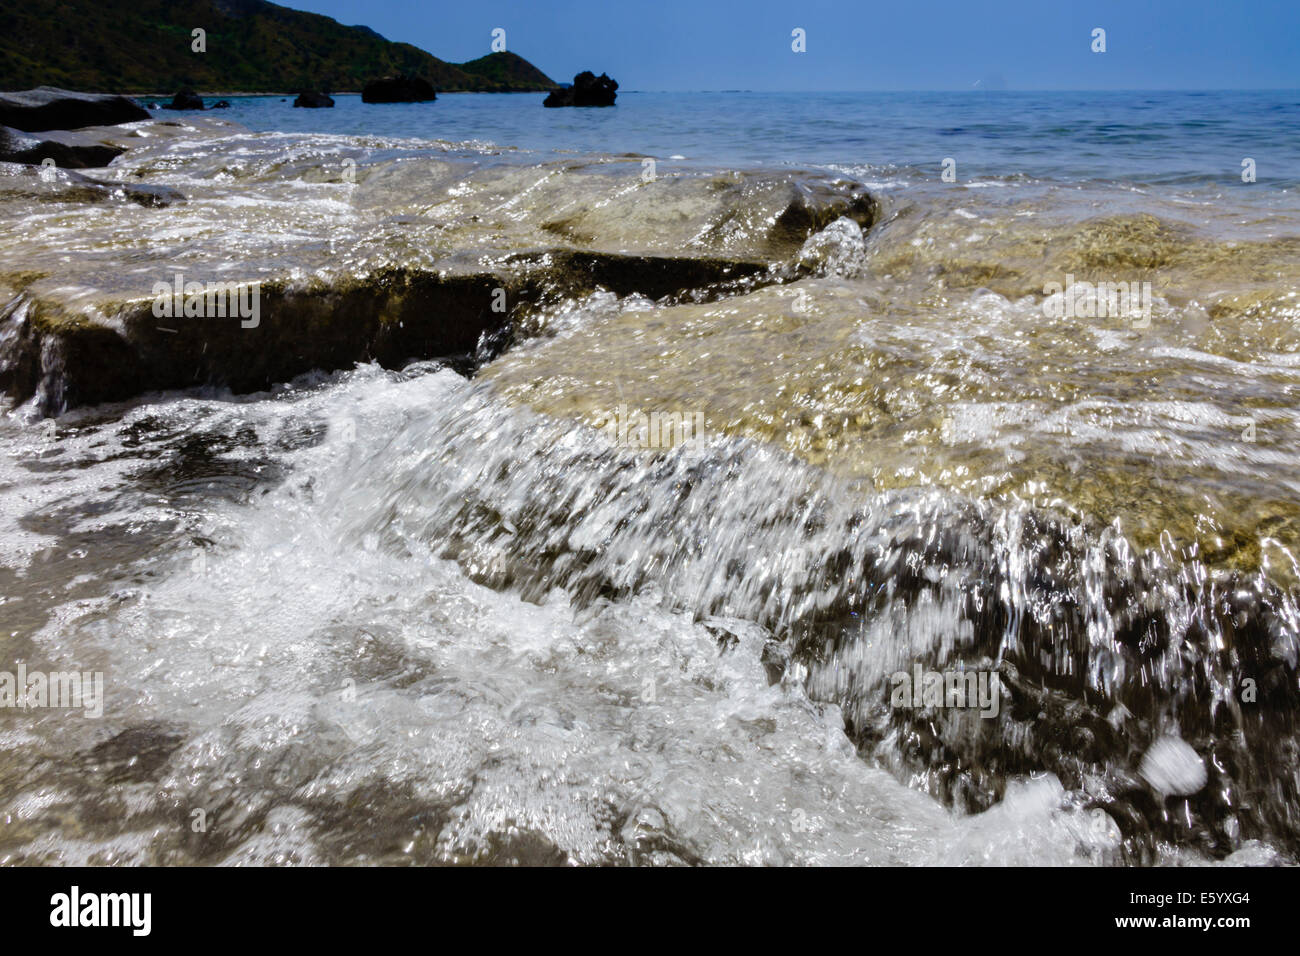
(145, 46)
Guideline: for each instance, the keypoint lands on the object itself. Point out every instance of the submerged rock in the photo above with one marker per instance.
(839, 249)
(185, 100)
(1148, 675)
(313, 100)
(68, 150)
(62, 185)
(134, 755)
(587, 90)
(140, 194)
(48, 108)
(398, 89)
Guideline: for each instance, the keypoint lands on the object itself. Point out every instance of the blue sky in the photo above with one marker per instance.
(910, 45)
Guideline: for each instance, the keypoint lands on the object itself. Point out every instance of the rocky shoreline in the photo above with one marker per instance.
(207, 255)
(442, 282)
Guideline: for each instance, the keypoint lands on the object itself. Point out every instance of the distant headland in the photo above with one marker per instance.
(144, 46)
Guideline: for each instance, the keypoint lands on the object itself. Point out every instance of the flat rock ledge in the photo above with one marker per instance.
(64, 359)
(101, 320)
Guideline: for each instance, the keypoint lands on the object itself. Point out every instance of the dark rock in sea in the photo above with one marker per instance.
(220, 105)
(185, 100)
(313, 100)
(48, 107)
(153, 106)
(587, 90)
(398, 89)
(67, 150)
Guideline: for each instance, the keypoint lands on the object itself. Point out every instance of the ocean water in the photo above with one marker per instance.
(440, 611)
(1142, 137)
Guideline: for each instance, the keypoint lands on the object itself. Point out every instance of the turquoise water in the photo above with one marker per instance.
(1141, 137)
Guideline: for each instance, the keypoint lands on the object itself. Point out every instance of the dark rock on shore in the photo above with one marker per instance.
(387, 317)
(313, 100)
(398, 89)
(185, 100)
(68, 150)
(587, 90)
(49, 107)
(671, 278)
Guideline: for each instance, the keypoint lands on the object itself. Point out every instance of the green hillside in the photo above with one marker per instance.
(510, 71)
(144, 46)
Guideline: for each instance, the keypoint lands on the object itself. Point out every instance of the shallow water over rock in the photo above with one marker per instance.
(627, 570)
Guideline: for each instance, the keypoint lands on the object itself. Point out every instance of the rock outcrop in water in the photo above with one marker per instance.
(587, 90)
(398, 89)
(313, 100)
(185, 100)
(50, 108)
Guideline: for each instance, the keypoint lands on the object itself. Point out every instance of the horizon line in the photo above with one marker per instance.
(1135, 89)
